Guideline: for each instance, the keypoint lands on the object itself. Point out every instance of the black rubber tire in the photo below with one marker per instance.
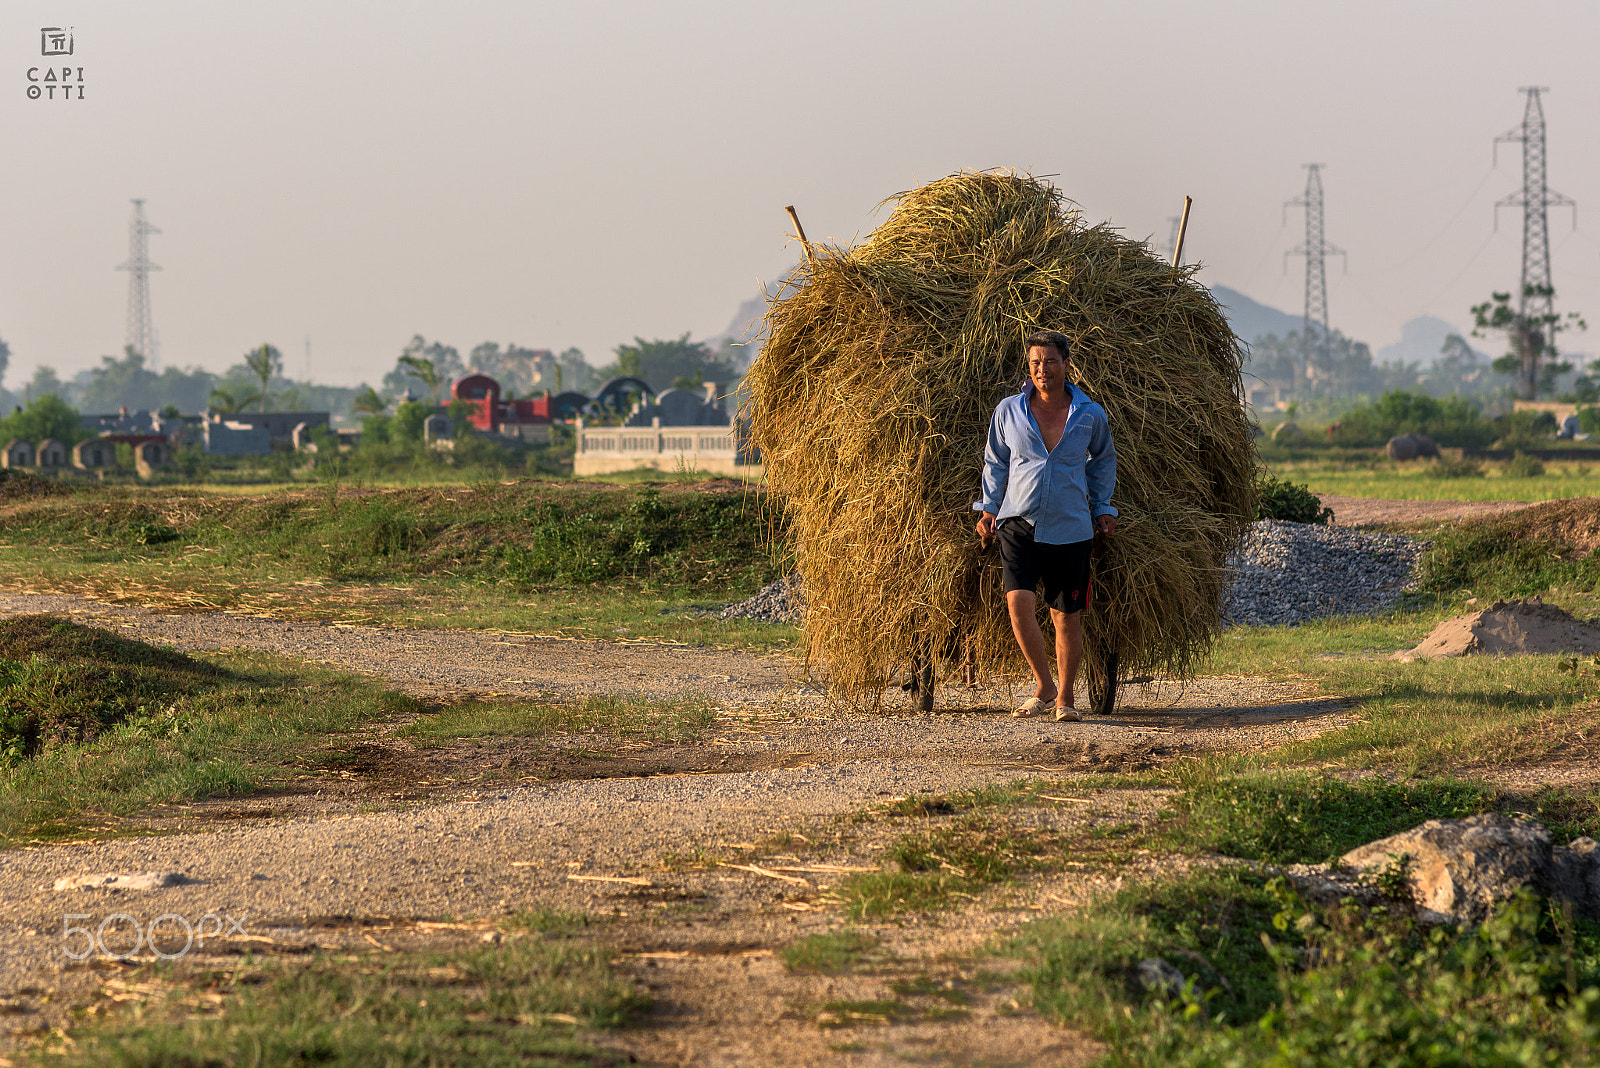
(1103, 698)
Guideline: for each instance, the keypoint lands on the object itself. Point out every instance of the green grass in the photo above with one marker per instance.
(1305, 817)
(527, 1001)
(662, 722)
(1372, 476)
(942, 866)
(830, 953)
(1270, 981)
(647, 562)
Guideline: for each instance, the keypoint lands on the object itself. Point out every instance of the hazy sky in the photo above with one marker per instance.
(577, 174)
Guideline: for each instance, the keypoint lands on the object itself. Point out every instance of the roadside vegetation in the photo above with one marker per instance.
(647, 561)
(97, 730)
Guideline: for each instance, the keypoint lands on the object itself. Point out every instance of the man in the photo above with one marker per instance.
(1048, 473)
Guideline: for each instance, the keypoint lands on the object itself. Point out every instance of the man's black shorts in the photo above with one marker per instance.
(1064, 569)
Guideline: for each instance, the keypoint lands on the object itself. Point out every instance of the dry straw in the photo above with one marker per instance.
(871, 403)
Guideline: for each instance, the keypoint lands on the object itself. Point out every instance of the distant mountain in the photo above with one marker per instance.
(1420, 341)
(1251, 319)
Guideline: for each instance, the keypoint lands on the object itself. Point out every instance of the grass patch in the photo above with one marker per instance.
(518, 1003)
(940, 866)
(1291, 817)
(829, 953)
(145, 726)
(1270, 982)
(663, 722)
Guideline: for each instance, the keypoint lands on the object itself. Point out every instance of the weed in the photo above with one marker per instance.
(947, 863)
(546, 921)
(1448, 467)
(830, 953)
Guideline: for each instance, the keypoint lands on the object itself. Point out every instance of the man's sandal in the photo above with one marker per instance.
(1030, 708)
(1066, 714)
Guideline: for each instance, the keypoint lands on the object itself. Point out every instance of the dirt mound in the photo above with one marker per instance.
(1571, 525)
(1508, 628)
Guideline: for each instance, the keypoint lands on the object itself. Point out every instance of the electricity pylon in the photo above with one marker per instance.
(1535, 200)
(1314, 334)
(140, 335)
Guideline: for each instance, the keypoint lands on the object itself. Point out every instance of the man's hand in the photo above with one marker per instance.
(1106, 524)
(986, 526)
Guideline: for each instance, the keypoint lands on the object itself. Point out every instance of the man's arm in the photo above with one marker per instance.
(996, 470)
(1101, 473)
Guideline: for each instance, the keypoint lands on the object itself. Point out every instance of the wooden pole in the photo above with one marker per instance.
(800, 232)
(1183, 228)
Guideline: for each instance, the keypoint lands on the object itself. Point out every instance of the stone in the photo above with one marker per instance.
(1577, 876)
(144, 880)
(1411, 447)
(1160, 977)
(1288, 433)
(1461, 869)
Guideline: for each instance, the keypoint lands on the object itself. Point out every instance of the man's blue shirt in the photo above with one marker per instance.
(1061, 491)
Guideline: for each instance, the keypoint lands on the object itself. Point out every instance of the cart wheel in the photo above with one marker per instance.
(1103, 695)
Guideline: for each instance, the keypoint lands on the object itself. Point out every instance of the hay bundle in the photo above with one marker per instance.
(872, 398)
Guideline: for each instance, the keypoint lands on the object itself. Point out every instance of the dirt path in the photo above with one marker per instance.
(776, 767)
(1375, 511)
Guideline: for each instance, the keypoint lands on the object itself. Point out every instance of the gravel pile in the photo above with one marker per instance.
(1286, 573)
(1294, 572)
(780, 602)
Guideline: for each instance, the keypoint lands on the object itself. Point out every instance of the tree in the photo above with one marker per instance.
(575, 371)
(224, 401)
(264, 363)
(1533, 357)
(47, 416)
(46, 383)
(5, 358)
(369, 402)
(662, 363)
(423, 370)
(125, 383)
(444, 359)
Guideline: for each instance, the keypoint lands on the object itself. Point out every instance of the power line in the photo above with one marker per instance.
(140, 334)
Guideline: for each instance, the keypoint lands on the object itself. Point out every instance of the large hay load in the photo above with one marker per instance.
(871, 404)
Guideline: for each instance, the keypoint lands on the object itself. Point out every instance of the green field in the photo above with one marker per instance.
(1415, 480)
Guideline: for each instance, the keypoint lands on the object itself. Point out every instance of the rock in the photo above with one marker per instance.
(144, 880)
(1577, 876)
(1323, 885)
(1288, 433)
(782, 601)
(1160, 977)
(1410, 447)
(1461, 869)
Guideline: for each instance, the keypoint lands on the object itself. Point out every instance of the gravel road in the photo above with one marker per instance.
(775, 759)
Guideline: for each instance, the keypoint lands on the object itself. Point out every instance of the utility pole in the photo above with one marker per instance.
(140, 334)
(1535, 200)
(1314, 334)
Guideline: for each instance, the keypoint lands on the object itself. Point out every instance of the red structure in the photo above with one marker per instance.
(486, 411)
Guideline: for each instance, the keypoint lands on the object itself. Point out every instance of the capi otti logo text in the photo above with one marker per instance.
(52, 82)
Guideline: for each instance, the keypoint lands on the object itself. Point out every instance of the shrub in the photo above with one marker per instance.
(1523, 466)
(1449, 421)
(1444, 467)
(1517, 430)
(1287, 501)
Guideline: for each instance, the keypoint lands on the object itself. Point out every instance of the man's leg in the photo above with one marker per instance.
(1069, 651)
(1025, 625)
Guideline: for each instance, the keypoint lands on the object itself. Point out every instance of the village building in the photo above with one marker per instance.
(527, 419)
(94, 454)
(17, 453)
(51, 453)
(277, 431)
(679, 429)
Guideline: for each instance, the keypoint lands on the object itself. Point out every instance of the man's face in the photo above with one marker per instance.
(1046, 369)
